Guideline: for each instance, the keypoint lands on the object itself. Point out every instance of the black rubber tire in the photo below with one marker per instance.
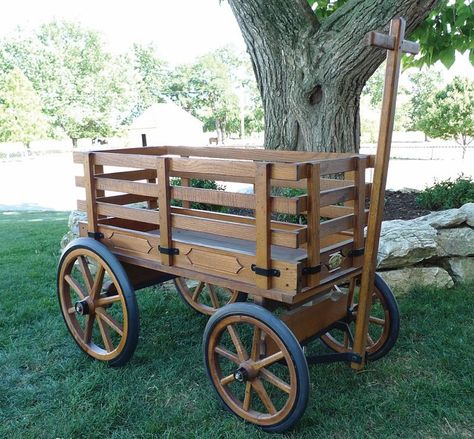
(392, 308)
(241, 297)
(288, 339)
(394, 312)
(129, 295)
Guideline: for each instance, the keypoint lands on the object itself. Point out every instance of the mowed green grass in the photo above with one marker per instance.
(49, 388)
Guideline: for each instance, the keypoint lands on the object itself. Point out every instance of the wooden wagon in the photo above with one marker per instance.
(295, 246)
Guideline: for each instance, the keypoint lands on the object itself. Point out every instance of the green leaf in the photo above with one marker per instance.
(447, 57)
(471, 56)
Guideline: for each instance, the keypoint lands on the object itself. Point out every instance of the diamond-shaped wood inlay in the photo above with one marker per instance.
(130, 243)
(214, 261)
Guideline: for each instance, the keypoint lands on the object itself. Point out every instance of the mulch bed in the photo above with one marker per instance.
(402, 205)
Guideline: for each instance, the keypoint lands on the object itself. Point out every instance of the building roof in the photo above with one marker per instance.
(164, 115)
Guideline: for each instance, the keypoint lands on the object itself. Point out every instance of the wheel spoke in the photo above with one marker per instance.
(107, 300)
(370, 340)
(248, 396)
(228, 379)
(273, 379)
(377, 321)
(269, 360)
(227, 354)
(75, 286)
(88, 328)
(213, 295)
(255, 353)
(197, 291)
(104, 332)
(86, 273)
(241, 352)
(263, 395)
(98, 281)
(117, 327)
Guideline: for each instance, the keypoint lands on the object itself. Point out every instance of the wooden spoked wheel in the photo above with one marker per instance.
(204, 297)
(384, 323)
(267, 389)
(103, 324)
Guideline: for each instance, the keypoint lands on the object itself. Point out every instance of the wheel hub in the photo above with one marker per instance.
(245, 372)
(82, 307)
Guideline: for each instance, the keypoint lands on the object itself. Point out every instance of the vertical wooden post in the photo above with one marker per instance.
(359, 206)
(164, 208)
(397, 32)
(185, 182)
(91, 195)
(313, 215)
(263, 221)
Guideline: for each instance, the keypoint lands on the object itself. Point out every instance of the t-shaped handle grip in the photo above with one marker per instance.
(388, 42)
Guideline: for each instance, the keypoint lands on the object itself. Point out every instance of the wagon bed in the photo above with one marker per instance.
(254, 253)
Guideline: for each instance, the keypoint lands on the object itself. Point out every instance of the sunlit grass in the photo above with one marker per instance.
(49, 388)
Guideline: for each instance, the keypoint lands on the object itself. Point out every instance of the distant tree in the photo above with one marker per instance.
(205, 89)
(374, 87)
(21, 116)
(80, 84)
(149, 76)
(423, 86)
(450, 113)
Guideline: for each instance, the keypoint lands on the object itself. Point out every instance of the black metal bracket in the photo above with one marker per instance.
(267, 272)
(95, 235)
(168, 251)
(348, 357)
(312, 270)
(356, 252)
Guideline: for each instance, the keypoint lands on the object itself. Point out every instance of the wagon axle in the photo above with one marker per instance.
(82, 307)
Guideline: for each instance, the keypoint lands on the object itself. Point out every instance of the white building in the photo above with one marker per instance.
(166, 124)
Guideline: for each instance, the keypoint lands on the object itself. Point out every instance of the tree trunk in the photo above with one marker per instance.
(311, 74)
(74, 143)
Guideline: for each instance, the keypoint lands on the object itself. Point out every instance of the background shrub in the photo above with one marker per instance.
(447, 194)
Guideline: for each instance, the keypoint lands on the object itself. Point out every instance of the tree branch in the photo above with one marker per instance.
(347, 26)
(277, 21)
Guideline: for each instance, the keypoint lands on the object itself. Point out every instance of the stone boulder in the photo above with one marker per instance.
(443, 218)
(405, 243)
(404, 279)
(468, 210)
(75, 217)
(461, 269)
(456, 242)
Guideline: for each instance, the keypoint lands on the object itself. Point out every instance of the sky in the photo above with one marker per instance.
(180, 29)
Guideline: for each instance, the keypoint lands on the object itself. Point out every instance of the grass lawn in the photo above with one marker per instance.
(49, 388)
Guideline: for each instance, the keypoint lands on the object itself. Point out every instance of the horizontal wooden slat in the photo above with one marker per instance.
(338, 165)
(140, 174)
(130, 187)
(124, 199)
(336, 225)
(293, 205)
(233, 230)
(142, 215)
(334, 196)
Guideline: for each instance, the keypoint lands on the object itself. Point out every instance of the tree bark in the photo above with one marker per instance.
(311, 74)
(74, 142)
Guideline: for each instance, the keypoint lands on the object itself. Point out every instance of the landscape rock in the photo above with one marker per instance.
(405, 243)
(75, 217)
(456, 242)
(404, 279)
(443, 219)
(461, 269)
(468, 209)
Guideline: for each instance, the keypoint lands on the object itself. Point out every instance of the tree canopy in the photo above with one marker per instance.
(21, 116)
